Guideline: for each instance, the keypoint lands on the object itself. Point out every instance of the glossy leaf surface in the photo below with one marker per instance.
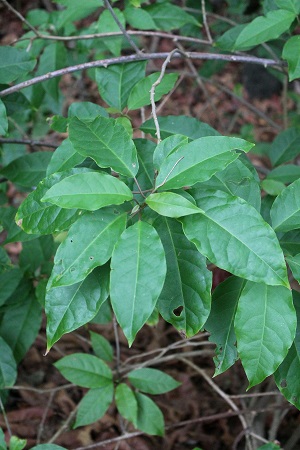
(170, 204)
(199, 160)
(91, 191)
(8, 366)
(138, 270)
(185, 298)
(152, 381)
(84, 370)
(126, 403)
(287, 374)
(94, 404)
(140, 93)
(220, 323)
(285, 211)
(150, 418)
(265, 326)
(109, 144)
(89, 244)
(247, 247)
(35, 216)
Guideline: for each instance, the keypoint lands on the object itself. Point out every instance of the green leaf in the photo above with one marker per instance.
(167, 146)
(69, 307)
(287, 374)
(3, 119)
(139, 18)
(65, 157)
(272, 187)
(150, 418)
(265, 326)
(186, 126)
(126, 403)
(138, 270)
(285, 174)
(152, 381)
(27, 170)
(146, 173)
(85, 370)
(91, 191)
(89, 244)
(94, 405)
(140, 93)
(8, 366)
(185, 298)
(227, 40)
(234, 236)
(16, 443)
(294, 263)
(75, 10)
(263, 29)
(101, 347)
(170, 204)
(14, 63)
(199, 160)
(86, 110)
(285, 146)
(53, 58)
(109, 144)
(239, 179)
(169, 17)
(116, 81)
(290, 242)
(107, 24)
(3, 445)
(9, 280)
(21, 321)
(36, 252)
(220, 323)
(35, 216)
(291, 52)
(289, 5)
(285, 211)
(269, 446)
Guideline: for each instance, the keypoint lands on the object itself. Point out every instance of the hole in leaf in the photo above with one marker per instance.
(178, 311)
(283, 383)
(72, 269)
(71, 240)
(91, 258)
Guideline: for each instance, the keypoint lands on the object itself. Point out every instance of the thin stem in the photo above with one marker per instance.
(158, 34)
(138, 57)
(64, 426)
(221, 393)
(139, 187)
(152, 92)
(117, 342)
(22, 18)
(284, 101)
(5, 417)
(207, 30)
(45, 413)
(167, 176)
(30, 142)
(124, 32)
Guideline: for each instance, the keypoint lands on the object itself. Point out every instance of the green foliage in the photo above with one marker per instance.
(139, 211)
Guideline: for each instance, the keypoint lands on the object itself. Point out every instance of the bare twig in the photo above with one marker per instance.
(213, 417)
(64, 426)
(42, 423)
(138, 57)
(152, 92)
(221, 393)
(5, 418)
(30, 142)
(40, 391)
(123, 30)
(22, 18)
(207, 30)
